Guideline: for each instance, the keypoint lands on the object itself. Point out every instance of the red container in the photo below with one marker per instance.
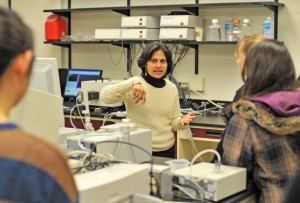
(54, 27)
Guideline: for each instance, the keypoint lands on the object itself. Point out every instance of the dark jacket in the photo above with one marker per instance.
(263, 135)
(237, 96)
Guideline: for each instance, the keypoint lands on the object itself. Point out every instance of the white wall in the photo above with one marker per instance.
(32, 13)
(289, 29)
(216, 62)
(4, 3)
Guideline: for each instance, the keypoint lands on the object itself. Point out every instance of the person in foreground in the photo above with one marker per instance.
(31, 170)
(263, 127)
(151, 101)
(241, 50)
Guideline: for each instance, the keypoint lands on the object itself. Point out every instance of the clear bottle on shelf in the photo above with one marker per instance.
(236, 31)
(246, 28)
(214, 31)
(228, 29)
(268, 28)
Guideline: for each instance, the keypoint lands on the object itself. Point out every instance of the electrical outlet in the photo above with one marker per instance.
(196, 83)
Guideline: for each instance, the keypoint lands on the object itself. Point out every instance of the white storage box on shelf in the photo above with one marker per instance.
(181, 21)
(139, 34)
(140, 22)
(107, 34)
(177, 34)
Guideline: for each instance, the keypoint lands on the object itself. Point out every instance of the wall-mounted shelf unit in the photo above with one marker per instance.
(189, 7)
(120, 43)
(193, 8)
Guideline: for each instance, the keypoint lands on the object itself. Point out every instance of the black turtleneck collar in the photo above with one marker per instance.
(155, 82)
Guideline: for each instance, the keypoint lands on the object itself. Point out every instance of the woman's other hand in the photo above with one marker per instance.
(139, 93)
(187, 119)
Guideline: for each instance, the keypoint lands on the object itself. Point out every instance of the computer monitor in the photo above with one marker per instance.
(45, 76)
(74, 79)
(39, 113)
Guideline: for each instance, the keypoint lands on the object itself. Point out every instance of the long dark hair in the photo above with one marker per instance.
(15, 38)
(268, 68)
(147, 55)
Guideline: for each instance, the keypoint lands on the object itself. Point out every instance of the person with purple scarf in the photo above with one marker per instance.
(263, 127)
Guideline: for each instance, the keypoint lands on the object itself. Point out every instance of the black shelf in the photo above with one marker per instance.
(193, 8)
(189, 7)
(119, 42)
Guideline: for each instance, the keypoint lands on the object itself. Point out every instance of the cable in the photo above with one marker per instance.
(200, 190)
(186, 192)
(95, 156)
(200, 154)
(94, 166)
(110, 56)
(190, 178)
(77, 98)
(181, 93)
(182, 53)
(142, 149)
(71, 121)
(206, 98)
(132, 54)
(104, 156)
(108, 116)
(195, 150)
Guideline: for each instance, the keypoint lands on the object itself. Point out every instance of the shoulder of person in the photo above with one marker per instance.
(137, 79)
(171, 84)
(41, 147)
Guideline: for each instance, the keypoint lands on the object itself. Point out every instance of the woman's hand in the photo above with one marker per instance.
(187, 119)
(139, 93)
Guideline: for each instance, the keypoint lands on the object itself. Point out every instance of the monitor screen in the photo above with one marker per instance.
(45, 76)
(75, 77)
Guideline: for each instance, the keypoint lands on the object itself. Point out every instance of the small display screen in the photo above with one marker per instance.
(75, 77)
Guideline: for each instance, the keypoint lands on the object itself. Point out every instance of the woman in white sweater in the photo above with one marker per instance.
(151, 101)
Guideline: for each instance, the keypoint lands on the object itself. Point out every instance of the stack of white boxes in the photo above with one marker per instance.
(167, 27)
(179, 27)
(132, 28)
(140, 28)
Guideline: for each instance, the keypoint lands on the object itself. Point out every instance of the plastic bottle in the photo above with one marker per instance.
(246, 28)
(268, 28)
(63, 36)
(214, 31)
(236, 30)
(228, 29)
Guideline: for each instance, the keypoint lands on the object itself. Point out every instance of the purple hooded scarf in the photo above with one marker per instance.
(283, 104)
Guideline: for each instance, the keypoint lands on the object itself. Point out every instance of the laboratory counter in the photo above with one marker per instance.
(199, 121)
(208, 121)
(206, 131)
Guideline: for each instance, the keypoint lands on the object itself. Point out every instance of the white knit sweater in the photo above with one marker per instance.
(160, 113)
